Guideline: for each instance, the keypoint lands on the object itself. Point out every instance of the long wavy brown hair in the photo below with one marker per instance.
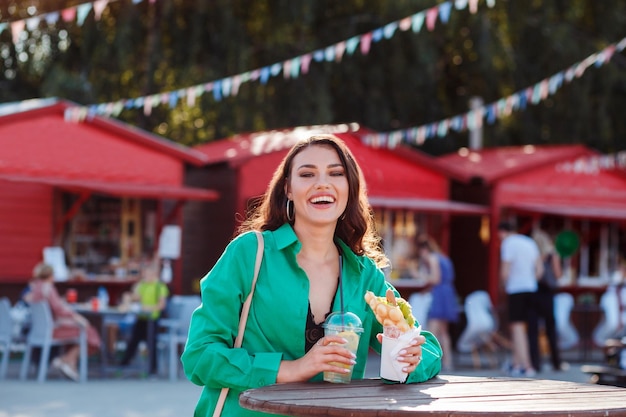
(356, 226)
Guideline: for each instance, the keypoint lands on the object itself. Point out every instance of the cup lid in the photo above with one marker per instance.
(343, 321)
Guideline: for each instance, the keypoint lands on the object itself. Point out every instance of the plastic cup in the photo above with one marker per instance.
(71, 295)
(346, 325)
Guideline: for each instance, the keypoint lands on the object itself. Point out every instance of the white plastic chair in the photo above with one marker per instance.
(180, 309)
(41, 335)
(481, 329)
(6, 335)
(610, 322)
(566, 332)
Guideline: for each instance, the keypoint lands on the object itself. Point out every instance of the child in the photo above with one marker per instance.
(152, 295)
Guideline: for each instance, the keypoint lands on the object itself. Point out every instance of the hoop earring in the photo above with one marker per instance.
(290, 210)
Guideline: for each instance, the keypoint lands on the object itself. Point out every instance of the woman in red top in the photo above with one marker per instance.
(67, 322)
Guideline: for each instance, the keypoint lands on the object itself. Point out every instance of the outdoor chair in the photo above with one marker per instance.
(566, 332)
(481, 330)
(612, 317)
(6, 335)
(41, 335)
(176, 326)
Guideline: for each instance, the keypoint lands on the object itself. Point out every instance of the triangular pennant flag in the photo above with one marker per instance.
(17, 28)
(417, 21)
(329, 53)
(287, 69)
(377, 35)
(265, 75)
(173, 101)
(390, 29)
(405, 24)
(295, 67)
(555, 82)
(351, 44)
(473, 6)
(366, 41)
(147, 107)
(275, 69)
(339, 50)
(217, 90)
(255, 74)
(460, 4)
(236, 84)
(69, 14)
(305, 62)
(191, 96)
(81, 13)
(98, 8)
(52, 18)
(227, 83)
(490, 115)
(318, 55)
(444, 11)
(431, 17)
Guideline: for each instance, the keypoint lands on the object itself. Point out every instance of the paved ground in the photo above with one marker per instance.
(141, 397)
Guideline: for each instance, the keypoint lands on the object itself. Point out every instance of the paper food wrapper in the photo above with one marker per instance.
(390, 367)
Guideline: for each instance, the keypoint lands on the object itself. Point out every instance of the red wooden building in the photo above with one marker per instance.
(100, 189)
(556, 188)
(407, 190)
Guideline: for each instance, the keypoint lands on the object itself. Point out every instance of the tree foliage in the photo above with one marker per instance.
(409, 80)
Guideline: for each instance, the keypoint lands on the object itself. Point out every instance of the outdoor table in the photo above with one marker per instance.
(106, 316)
(445, 395)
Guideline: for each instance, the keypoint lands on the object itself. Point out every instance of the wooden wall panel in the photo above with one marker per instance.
(25, 228)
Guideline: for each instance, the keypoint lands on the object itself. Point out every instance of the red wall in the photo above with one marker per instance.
(25, 228)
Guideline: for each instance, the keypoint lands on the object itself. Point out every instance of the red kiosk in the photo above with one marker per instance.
(99, 189)
(556, 188)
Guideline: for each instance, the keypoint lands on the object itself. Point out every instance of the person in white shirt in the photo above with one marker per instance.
(520, 267)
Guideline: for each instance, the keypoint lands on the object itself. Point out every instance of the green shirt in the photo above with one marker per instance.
(276, 323)
(150, 293)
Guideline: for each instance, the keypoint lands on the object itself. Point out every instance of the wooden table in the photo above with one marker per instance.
(442, 396)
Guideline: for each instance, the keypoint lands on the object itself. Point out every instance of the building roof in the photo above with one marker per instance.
(554, 179)
(490, 165)
(105, 155)
(394, 179)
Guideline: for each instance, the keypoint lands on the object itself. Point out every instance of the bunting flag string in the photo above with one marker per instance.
(592, 165)
(290, 68)
(503, 107)
(76, 13)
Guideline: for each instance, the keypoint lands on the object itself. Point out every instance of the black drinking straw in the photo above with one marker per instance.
(341, 288)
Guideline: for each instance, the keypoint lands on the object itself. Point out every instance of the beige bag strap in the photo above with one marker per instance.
(244, 317)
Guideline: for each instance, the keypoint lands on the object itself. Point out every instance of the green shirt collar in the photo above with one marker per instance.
(285, 236)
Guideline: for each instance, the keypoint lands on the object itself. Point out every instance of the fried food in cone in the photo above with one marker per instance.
(390, 311)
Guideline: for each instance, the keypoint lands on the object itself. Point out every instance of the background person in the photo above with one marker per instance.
(321, 253)
(152, 296)
(444, 308)
(544, 301)
(67, 322)
(520, 265)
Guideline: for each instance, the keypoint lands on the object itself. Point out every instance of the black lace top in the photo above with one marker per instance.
(314, 331)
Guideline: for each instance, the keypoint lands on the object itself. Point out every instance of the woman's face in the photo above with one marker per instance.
(318, 186)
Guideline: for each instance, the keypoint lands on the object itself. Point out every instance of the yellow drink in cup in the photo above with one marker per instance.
(348, 326)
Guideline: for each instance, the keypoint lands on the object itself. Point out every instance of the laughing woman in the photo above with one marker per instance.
(321, 252)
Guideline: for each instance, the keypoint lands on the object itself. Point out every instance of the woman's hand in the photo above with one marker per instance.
(411, 355)
(328, 354)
